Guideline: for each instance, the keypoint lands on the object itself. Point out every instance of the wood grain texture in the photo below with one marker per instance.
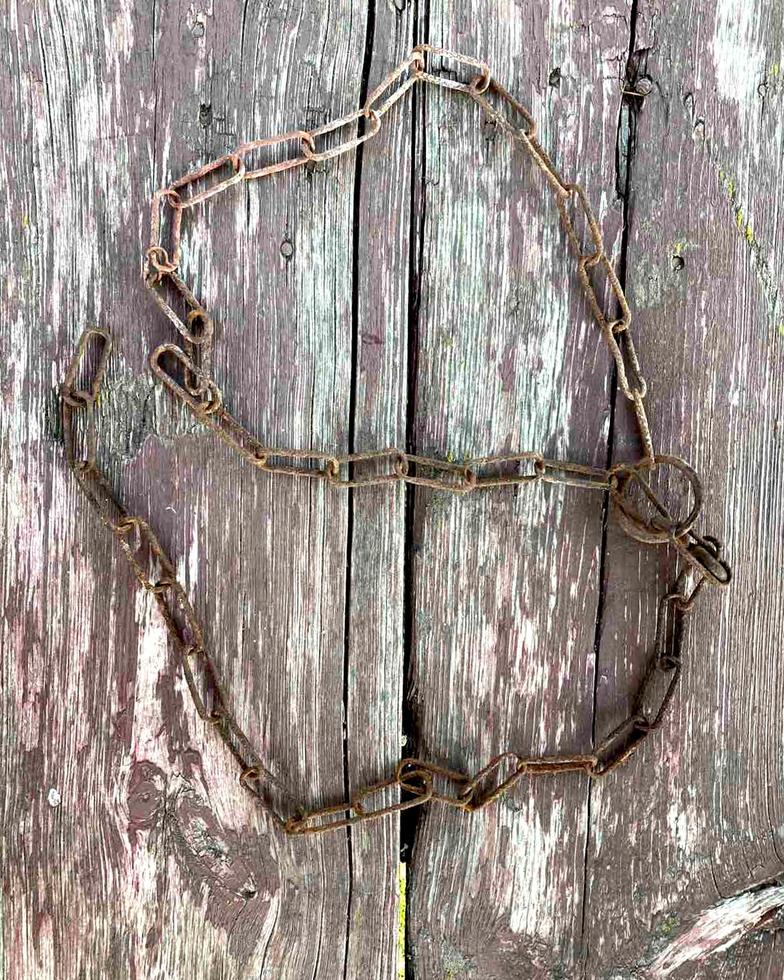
(151, 812)
(376, 599)
(419, 292)
(698, 817)
(507, 585)
(719, 928)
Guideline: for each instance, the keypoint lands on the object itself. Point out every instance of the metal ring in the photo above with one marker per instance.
(215, 402)
(77, 398)
(635, 523)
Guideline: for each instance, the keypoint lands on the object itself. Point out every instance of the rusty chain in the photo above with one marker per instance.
(188, 377)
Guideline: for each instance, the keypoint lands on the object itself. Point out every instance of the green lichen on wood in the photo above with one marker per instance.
(667, 927)
(729, 187)
(678, 248)
(455, 965)
(773, 82)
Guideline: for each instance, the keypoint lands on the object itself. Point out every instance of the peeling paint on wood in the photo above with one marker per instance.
(700, 813)
(421, 293)
(718, 929)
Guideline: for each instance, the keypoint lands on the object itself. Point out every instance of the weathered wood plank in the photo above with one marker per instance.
(65, 136)
(507, 584)
(374, 680)
(718, 929)
(286, 354)
(197, 883)
(698, 815)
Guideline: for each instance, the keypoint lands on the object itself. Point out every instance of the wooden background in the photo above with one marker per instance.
(425, 298)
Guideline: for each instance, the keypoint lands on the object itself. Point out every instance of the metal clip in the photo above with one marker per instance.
(703, 553)
(201, 407)
(80, 398)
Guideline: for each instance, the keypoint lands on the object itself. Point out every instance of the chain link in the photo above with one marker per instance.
(186, 371)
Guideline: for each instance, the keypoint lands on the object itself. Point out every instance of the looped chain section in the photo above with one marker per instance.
(186, 372)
